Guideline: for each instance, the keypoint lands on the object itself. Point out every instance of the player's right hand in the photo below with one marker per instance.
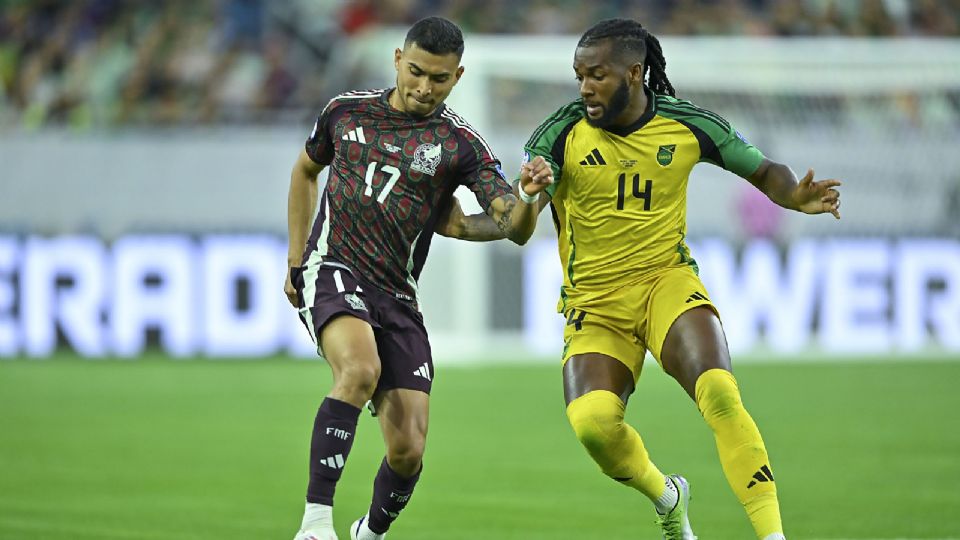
(537, 174)
(289, 290)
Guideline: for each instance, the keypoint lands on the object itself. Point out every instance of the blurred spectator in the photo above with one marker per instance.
(874, 19)
(243, 23)
(792, 18)
(277, 87)
(99, 63)
(357, 15)
(935, 17)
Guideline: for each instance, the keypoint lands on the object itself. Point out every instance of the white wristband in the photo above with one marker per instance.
(529, 199)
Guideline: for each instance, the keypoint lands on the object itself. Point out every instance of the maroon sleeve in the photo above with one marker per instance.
(480, 169)
(319, 144)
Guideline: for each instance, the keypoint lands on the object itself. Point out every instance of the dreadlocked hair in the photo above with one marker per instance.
(630, 36)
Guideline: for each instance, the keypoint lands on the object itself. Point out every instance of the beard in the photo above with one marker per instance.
(618, 103)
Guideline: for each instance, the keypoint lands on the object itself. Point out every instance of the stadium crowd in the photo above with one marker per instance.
(90, 63)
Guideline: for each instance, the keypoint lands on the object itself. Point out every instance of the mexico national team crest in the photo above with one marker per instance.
(665, 154)
(355, 302)
(426, 158)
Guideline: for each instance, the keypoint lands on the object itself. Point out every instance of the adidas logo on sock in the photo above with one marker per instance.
(763, 475)
(392, 515)
(334, 462)
(423, 371)
(355, 135)
(593, 158)
(697, 296)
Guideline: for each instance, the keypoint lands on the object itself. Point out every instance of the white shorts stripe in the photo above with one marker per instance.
(314, 261)
(338, 279)
(309, 291)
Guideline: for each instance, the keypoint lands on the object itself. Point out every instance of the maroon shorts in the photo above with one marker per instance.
(331, 289)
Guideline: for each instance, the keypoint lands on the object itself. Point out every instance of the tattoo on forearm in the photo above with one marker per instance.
(506, 219)
(481, 227)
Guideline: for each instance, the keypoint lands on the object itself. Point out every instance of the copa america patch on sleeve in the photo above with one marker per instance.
(525, 160)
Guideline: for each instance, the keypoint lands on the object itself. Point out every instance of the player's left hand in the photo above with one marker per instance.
(817, 197)
(535, 175)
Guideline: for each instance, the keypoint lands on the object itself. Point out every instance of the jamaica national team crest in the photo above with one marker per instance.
(665, 154)
(426, 158)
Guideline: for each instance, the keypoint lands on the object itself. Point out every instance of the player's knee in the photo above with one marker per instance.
(596, 418)
(358, 376)
(406, 456)
(718, 396)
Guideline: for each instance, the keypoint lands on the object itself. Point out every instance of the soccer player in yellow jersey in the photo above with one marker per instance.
(621, 156)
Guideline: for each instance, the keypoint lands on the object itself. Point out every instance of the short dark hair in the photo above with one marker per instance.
(632, 40)
(436, 35)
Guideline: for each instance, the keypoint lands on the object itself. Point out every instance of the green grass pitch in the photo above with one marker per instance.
(170, 449)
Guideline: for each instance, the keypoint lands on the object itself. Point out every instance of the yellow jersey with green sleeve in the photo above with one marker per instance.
(619, 197)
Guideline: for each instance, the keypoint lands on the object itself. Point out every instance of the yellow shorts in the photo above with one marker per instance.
(628, 321)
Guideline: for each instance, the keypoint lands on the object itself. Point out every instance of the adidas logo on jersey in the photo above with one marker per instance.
(697, 296)
(763, 475)
(355, 135)
(593, 158)
(423, 371)
(334, 462)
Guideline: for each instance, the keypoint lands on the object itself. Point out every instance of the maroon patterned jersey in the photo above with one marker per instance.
(391, 175)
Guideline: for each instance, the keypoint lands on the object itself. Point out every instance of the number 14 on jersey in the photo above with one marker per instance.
(646, 194)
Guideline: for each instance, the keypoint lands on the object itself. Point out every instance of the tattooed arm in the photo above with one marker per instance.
(508, 216)
(476, 227)
(516, 214)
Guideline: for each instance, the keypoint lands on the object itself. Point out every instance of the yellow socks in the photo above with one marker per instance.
(742, 454)
(597, 419)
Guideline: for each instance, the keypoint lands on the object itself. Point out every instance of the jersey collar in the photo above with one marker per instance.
(647, 115)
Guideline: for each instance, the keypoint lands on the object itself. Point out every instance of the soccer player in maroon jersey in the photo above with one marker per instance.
(395, 157)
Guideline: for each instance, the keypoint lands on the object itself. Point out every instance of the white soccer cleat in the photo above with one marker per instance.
(317, 523)
(316, 534)
(360, 531)
(676, 523)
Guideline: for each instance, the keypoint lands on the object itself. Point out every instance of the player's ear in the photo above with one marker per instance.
(635, 73)
(457, 74)
(397, 54)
